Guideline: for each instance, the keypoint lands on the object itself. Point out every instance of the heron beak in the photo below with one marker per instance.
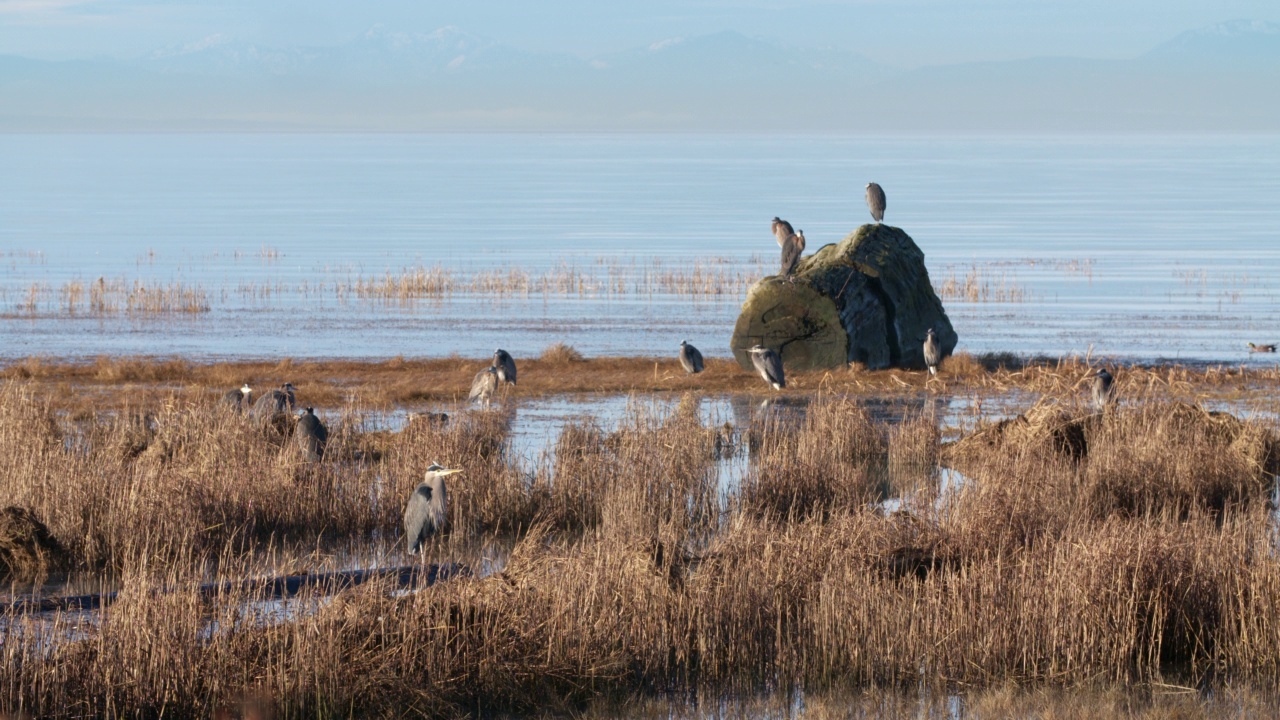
(449, 471)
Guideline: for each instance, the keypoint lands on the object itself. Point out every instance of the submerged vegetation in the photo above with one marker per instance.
(715, 278)
(1079, 550)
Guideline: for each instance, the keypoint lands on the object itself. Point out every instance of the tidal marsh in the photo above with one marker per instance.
(629, 569)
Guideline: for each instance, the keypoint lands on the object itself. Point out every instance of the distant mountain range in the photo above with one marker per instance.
(1225, 78)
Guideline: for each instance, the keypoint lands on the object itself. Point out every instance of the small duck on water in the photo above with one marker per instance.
(1261, 348)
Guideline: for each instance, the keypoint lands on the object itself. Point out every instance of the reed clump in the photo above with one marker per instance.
(836, 458)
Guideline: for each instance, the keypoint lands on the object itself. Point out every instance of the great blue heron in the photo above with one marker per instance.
(312, 435)
(484, 385)
(1261, 348)
(690, 358)
(428, 507)
(769, 364)
(932, 351)
(273, 404)
(791, 251)
(781, 231)
(505, 365)
(875, 201)
(238, 398)
(1102, 385)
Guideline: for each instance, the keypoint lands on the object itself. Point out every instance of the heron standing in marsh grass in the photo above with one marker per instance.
(690, 358)
(428, 507)
(769, 364)
(1102, 386)
(274, 404)
(312, 436)
(239, 398)
(484, 385)
(875, 201)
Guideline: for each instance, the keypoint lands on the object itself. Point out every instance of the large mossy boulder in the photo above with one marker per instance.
(865, 299)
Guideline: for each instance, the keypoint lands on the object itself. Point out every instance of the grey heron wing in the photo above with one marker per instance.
(483, 384)
(417, 513)
(773, 363)
(876, 200)
(509, 368)
(263, 407)
(790, 256)
(695, 357)
(317, 428)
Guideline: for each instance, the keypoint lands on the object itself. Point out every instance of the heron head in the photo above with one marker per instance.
(287, 387)
(931, 332)
(246, 389)
(683, 343)
(438, 470)
(756, 349)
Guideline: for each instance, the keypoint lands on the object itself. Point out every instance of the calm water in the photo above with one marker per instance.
(1137, 248)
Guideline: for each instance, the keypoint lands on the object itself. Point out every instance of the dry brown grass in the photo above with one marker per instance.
(115, 296)
(95, 385)
(560, 354)
(1147, 559)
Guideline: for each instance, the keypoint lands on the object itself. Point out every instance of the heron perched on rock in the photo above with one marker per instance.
(690, 358)
(932, 351)
(769, 364)
(781, 231)
(1102, 386)
(484, 385)
(505, 365)
(238, 398)
(273, 404)
(875, 201)
(791, 251)
(311, 435)
(428, 507)
(1261, 348)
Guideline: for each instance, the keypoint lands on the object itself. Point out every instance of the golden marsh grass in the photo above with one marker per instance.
(1148, 558)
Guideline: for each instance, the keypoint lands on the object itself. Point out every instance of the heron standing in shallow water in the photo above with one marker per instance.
(1261, 348)
(769, 364)
(312, 435)
(932, 352)
(875, 201)
(690, 358)
(505, 365)
(1102, 385)
(428, 507)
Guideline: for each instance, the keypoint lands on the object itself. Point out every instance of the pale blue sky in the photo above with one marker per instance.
(903, 33)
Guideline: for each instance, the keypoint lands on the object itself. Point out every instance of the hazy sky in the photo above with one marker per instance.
(896, 32)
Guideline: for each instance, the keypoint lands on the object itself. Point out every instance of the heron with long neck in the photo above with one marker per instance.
(428, 508)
